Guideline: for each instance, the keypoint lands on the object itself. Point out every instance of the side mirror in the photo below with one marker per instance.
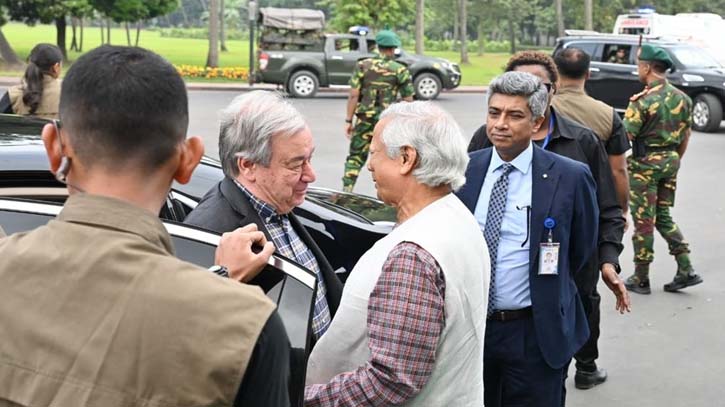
(398, 52)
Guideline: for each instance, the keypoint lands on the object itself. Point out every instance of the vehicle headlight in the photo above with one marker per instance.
(692, 78)
(447, 65)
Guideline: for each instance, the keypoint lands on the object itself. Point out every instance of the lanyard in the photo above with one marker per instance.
(548, 135)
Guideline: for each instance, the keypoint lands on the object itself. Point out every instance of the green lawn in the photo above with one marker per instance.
(181, 51)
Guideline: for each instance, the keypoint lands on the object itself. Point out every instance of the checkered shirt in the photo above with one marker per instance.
(289, 244)
(406, 317)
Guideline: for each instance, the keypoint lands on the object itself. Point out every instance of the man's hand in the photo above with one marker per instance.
(616, 285)
(348, 130)
(235, 252)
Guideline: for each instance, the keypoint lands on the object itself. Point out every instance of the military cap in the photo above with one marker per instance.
(653, 53)
(387, 39)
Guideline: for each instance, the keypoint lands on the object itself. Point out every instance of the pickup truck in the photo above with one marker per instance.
(331, 62)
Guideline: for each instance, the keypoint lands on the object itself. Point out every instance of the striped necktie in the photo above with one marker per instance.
(492, 230)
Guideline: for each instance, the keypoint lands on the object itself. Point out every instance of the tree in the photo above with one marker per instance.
(212, 58)
(559, 18)
(222, 35)
(419, 26)
(7, 53)
(588, 10)
(133, 12)
(45, 11)
(78, 10)
(463, 14)
(376, 14)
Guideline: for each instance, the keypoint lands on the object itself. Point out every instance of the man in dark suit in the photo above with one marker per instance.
(265, 148)
(529, 202)
(572, 140)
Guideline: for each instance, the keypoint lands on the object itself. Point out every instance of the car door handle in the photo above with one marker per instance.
(634, 73)
(337, 57)
(593, 69)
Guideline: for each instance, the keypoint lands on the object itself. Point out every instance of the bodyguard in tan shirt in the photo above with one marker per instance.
(95, 310)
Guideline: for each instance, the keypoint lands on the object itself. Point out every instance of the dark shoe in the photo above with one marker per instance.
(681, 281)
(586, 380)
(638, 285)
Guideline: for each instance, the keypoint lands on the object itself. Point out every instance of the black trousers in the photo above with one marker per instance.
(515, 373)
(587, 356)
(586, 282)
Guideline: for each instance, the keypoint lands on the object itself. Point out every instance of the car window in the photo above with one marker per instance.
(372, 45)
(347, 45)
(618, 54)
(692, 57)
(14, 222)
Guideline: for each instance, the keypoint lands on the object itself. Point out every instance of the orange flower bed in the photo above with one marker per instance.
(191, 71)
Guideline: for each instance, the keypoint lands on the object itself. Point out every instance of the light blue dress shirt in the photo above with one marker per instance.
(512, 263)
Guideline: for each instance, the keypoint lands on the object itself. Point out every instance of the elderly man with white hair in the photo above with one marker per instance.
(410, 325)
(265, 147)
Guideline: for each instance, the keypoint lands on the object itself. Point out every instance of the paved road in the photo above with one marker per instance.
(669, 350)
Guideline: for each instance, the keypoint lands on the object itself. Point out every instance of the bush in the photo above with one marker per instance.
(201, 33)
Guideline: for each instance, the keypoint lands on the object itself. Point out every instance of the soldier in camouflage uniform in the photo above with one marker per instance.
(658, 122)
(375, 84)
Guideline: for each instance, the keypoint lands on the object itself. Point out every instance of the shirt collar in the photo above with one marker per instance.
(522, 162)
(265, 210)
(656, 82)
(111, 213)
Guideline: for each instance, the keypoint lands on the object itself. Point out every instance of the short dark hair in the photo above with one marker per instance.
(572, 63)
(534, 58)
(124, 105)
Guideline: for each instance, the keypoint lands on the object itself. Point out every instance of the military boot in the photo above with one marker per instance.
(638, 284)
(639, 281)
(683, 280)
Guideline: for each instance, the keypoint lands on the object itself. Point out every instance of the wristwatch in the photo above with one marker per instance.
(219, 270)
(348, 120)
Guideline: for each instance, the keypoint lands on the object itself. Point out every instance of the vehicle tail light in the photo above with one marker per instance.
(263, 61)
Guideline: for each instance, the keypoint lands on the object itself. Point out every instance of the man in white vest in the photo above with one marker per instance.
(410, 327)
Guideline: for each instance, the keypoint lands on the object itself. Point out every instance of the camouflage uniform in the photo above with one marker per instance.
(379, 80)
(659, 117)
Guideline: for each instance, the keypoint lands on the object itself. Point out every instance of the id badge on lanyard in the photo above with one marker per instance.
(549, 252)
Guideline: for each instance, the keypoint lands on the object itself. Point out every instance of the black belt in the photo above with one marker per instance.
(654, 149)
(511, 315)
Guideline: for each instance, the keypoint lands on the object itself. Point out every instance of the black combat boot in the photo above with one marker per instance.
(683, 280)
(638, 284)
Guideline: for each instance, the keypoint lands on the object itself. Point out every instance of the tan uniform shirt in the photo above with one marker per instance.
(96, 311)
(49, 101)
(577, 105)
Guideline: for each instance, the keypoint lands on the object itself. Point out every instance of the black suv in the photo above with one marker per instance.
(695, 72)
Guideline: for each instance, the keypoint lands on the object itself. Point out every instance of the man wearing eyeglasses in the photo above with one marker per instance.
(565, 137)
(265, 147)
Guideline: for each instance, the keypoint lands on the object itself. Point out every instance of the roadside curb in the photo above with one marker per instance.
(234, 87)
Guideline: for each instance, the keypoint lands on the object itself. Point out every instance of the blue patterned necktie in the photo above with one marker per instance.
(492, 230)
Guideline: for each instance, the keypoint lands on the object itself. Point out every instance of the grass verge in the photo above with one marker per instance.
(184, 51)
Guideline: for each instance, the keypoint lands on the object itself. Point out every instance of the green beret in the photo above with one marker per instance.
(652, 53)
(387, 39)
